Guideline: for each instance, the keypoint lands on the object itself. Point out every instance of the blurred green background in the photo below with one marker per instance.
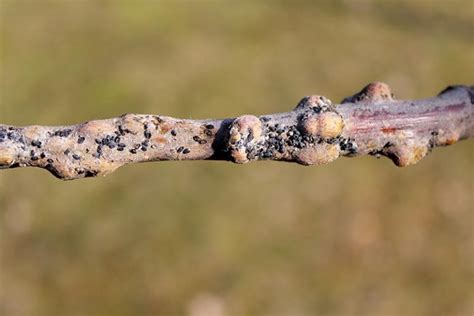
(356, 237)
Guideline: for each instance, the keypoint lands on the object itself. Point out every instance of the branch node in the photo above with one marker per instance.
(405, 154)
(314, 102)
(245, 132)
(453, 89)
(318, 154)
(325, 125)
(375, 92)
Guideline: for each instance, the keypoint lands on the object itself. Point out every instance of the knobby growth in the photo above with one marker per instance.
(315, 132)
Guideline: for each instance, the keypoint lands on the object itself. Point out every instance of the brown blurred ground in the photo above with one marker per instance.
(356, 237)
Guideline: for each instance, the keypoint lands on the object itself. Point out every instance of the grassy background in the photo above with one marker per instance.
(356, 237)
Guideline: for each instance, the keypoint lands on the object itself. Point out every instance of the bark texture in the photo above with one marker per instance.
(315, 132)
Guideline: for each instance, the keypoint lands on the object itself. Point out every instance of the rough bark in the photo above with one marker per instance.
(315, 132)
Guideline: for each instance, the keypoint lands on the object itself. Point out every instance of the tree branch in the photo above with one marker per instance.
(315, 132)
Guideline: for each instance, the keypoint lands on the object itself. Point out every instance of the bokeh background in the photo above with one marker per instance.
(356, 237)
